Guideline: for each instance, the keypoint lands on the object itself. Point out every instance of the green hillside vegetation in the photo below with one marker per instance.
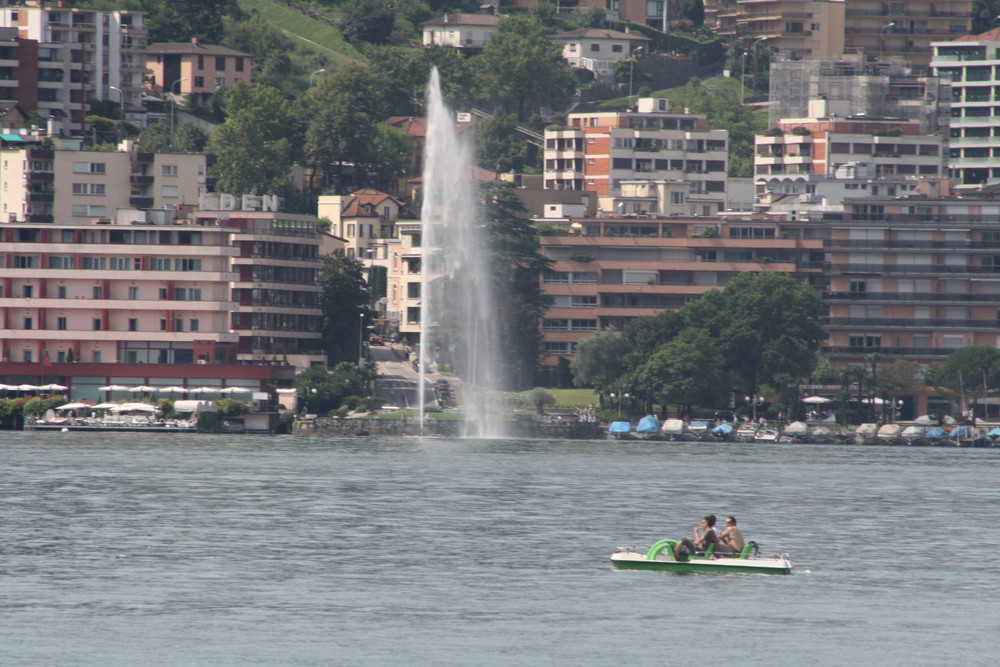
(310, 33)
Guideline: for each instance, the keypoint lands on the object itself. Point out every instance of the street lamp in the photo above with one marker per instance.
(319, 71)
(743, 69)
(630, 68)
(361, 340)
(754, 402)
(173, 105)
(620, 395)
(121, 127)
(881, 38)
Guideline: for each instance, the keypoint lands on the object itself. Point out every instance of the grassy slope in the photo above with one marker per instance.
(304, 30)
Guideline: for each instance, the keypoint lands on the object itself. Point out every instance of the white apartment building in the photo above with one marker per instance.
(598, 49)
(82, 54)
(598, 151)
(972, 63)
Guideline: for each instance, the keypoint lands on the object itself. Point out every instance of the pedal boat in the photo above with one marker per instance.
(660, 556)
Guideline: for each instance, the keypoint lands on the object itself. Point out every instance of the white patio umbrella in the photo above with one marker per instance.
(143, 388)
(27, 387)
(113, 387)
(172, 390)
(54, 387)
(135, 407)
(104, 406)
(203, 390)
(8, 387)
(236, 390)
(816, 399)
(877, 401)
(73, 406)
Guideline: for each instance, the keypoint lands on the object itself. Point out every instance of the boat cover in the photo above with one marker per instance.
(648, 424)
(723, 429)
(620, 427)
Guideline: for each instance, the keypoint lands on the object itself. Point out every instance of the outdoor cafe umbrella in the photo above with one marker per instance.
(104, 406)
(74, 406)
(203, 390)
(235, 390)
(54, 387)
(143, 388)
(27, 387)
(135, 407)
(816, 399)
(113, 387)
(8, 387)
(173, 390)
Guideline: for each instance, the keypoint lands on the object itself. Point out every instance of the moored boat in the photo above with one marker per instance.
(766, 435)
(660, 556)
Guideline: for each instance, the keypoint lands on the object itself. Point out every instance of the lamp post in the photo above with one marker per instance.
(881, 38)
(619, 395)
(319, 71)
(121, 126)
(743, 69)
(754, 401)
(631, 67)
(361, 340)
(173, 105)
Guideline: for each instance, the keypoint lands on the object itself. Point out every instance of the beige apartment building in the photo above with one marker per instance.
(195, 69)
(93, 185)
(82, 54)
(598, 151)
(825, 29)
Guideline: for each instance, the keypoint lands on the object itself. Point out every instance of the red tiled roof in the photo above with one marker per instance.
(363, 197)
(463, 19)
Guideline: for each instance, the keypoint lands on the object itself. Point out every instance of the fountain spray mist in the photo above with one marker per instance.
(458, 312)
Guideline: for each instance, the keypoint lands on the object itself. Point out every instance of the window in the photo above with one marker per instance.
(194, 294)
(89, 168)
(159, 264)
(89, 189)
(121, 263)
(96, 324)
(26, 356)
(860, 341)
(187, 264)
(616, 48)
(29, 323)
(170, 170)
(194, 325)
(61, 292)
(220, 82)
(163, 294)
(169, 191)
(178, 324)
(97, 291)
(220, 63)
(88, 211)
(27, 291)
(133, 292)
(95, 263)
(199, 82)
(239, 64)
(95, 356)
(60, 262)
(857, 286)
(595, 48)
(25, 261)
(676, 197)
(133, 324)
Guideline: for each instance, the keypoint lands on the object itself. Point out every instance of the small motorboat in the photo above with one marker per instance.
(889, 432)
(766, 435)
(698, 426)
(672, 427)
(660, 556)
(619, 430)
(648, 424)
(797, 428)
(746, 432)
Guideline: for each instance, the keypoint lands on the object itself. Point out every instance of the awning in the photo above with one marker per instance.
(11, 137)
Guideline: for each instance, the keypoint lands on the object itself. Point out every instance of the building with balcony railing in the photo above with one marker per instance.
(598, 151)
(914, 277)
(82, 54)
(972, 63)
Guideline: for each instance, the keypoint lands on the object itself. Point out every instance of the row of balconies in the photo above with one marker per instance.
(891, 352)
(919, 269)
(914, 245)
(911, 297)
(883, 323)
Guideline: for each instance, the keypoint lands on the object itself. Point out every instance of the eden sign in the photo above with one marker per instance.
(221, 201)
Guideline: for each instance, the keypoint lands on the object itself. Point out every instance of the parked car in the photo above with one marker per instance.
(375, 339)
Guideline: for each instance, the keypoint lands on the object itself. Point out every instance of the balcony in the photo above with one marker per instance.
(47, 197)
(893, 352)
(911, 297)
(38, 217)
(140, 201)
(141, 179)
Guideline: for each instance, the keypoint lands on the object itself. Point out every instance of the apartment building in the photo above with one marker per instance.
(81, 54)
(597, 151)
(610, 270)
(801, 152)
(18, 69)
(825, 29)
(972, 63)
(194, 69)
(659, 14)
(404, 276)
(366, 219)
(94, 184)
(914, 278)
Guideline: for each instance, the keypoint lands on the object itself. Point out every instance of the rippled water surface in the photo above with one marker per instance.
(129, 549)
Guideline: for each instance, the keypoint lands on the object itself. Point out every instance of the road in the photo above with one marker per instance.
(397, 380)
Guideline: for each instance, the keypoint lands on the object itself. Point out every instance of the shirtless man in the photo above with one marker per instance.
(731, 539)
(704, 535)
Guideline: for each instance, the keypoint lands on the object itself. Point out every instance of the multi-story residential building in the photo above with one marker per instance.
(194, 69)
(855, 86)
(600, 150)
(94, 184)
(598, 49)
(403, 291)
(659, 14)
(276, 287)
(972, 63)
(156, 298)
(466, 33)
(614, 269)
(914, 278)
(366, 219)
(82, 54)
(820, 145)
(824, 29)
(18, 69)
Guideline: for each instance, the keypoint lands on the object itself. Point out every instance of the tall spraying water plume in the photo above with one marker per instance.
(458, 312)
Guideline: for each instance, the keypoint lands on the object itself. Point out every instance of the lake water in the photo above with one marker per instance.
(128, 549)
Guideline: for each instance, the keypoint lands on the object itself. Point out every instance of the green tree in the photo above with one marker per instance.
(189, 138)
(343, 298)
(180, 20)
(498, 146)
(388, 157)
(322, 390)
(541, 397)
(520, 62)
(274, 54)
(766, 326)
(409, 70)
(367, 21)
(984, 15)
(600, 361)
(254, 148)
(968, 373)
(684, 371)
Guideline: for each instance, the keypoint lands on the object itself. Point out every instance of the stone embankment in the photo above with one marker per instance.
(444, 428)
